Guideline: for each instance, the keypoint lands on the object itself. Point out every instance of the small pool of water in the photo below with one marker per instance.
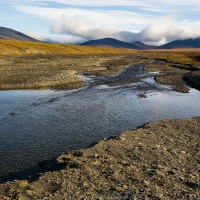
(38, 125)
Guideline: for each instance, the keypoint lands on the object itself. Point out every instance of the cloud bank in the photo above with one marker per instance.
(79, 20)
(57, 39)
(168, 29)
(76, 26)
(158, 32)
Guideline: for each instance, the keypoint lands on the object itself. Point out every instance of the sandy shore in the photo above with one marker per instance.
(157, 161)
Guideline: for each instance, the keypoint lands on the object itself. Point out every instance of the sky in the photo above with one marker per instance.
(153, 22)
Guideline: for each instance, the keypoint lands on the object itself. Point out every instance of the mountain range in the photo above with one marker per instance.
(187, 43)
(10, 34)
(110, 42)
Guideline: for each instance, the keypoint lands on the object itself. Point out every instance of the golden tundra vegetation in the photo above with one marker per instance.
(37, 65)
(24, 48)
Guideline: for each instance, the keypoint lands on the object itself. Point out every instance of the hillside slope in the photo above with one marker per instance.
(20, 48)
(111, 42)
(10, 34)
(188, 43)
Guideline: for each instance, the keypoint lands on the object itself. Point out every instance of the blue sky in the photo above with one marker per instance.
(72, 21)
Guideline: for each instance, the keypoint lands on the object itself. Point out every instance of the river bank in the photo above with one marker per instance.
(61, 72)
(57, 72)
(157, 161)
(53, 119)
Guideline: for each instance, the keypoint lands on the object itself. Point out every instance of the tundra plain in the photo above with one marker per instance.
(157, 161)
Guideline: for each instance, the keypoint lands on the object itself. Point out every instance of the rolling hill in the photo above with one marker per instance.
(187, 43)
(110, 42)
(10, 34)
(21, 48)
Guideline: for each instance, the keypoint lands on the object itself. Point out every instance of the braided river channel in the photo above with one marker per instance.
(39, 125)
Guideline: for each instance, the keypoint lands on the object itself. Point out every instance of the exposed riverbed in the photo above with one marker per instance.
(37, 125)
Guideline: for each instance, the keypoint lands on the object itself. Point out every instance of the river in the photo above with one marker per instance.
(39, 125)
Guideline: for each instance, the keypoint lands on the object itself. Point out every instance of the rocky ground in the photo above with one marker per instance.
(57, 72)
(157, 161)
(181, 67)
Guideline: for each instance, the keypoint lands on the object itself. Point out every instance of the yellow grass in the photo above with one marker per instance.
(183, 66)
(21, 48)
(37, 65)
(188, 56)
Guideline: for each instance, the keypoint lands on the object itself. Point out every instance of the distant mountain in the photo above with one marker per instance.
(10, 34)
(187, 43)
(141, 45)
(110, 42)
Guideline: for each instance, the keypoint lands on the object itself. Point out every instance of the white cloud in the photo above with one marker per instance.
(168, 29)
(69, 39)
(126, 20)
(80, 27)
(116, 19)
(158, 32)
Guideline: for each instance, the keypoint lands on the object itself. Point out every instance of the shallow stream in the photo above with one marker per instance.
(39, 125)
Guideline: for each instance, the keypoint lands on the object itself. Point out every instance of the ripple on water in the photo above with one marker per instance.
(38, 125)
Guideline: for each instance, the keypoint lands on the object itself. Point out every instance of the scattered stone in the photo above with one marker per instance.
(78, 154)
(96, 155)
(74, 165)
(142, 95)
(139, 168)
(171, 172)
(12, 114)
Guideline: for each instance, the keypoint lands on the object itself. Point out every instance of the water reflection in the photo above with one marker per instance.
(37, 125)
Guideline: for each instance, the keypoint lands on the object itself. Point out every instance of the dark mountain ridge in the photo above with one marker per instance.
(187, 43)
(111, 42)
